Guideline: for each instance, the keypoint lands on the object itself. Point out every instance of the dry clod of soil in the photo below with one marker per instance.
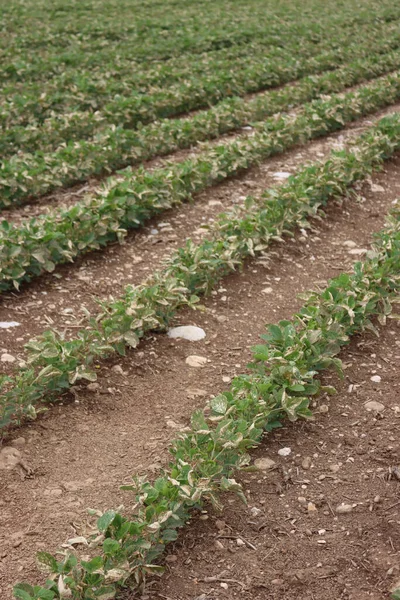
(374, 406)
(196, 361)
(264, 464)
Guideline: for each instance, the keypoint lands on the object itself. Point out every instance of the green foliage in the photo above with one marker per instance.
(38, 245)
(203, 460)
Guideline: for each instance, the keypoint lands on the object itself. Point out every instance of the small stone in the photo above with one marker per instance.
(281, 174)
(7, 358)
(18, 442)
(117, 369)
(255, 512)
(376, 188)
(302, 500)
(344, 509)
(240, 542)
(374, 406)
(324, 409)
(376, 378)
(264, 464)
(358, 251)
(311, 507)
(187, 332)
(306, 462)
(7, 324)
(68, 311)
(53, 493)
(173, 424)
(277, 581)
(284, 451)
(321, 531)
(93, 387)
(334, 468)
(171, 558)
(219, 545)
(226, 379)
(196, 361)
(267, 290)
(220, 525)
(349, 244)
(224, 585)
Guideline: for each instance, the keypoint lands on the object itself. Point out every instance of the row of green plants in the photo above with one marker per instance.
(37, 245)
(55, 362)
(283, 379)
(282, 27)
(30, 175)
(74, 114)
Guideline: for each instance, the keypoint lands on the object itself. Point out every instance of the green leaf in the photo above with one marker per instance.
(219, 404)
(105, 520)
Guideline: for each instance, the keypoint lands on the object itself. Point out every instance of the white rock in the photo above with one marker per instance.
(376, 378)
(187, 332)
(267, 290)
(375, 187)
(284, 451)
(7, 324)
(358, 251)
(281, 175)
(374, 406)
(343, 508)
(264, 464)
(349, 244)
(255, 512)
(196, 361)
(7, 358)
(240, 542)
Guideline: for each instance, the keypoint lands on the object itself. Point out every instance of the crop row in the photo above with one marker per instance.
(25, 176)
(54, 363)
(123, 549)
(38, 245)
(194, 92)
(20, 62)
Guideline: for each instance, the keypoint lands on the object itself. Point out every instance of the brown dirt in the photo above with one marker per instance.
(82, 451)
(292, 549)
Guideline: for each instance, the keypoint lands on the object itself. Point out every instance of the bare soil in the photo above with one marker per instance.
(290, 541)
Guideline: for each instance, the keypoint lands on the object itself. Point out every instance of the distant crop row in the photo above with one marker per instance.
(54, 363)
(38, 245)
(26, 175)
(59, 40)
(72, 114)
(124, 548)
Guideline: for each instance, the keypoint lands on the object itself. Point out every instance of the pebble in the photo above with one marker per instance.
(267, 290)
(171, 558)
(311, 507)
(224, 585)
(343, 509)
(7, 358)
(93, 387)
(284, 451)
(255, 512)
(324, 409)
(306, 462)
(376, 378)
(240, 542)
(281, 174)
(187, 332)
(349, 244)
(334, 468)
(219, 545)
(302, 500)
(18, 442)
(196, 361)
(264, 464)
(375, 187)
(374, 406)
(358, 251)
(7, 324)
